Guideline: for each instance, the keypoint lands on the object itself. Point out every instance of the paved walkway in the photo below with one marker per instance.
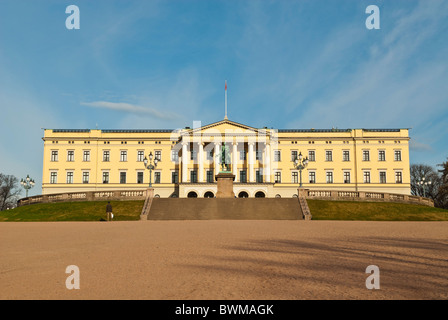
(224, 259)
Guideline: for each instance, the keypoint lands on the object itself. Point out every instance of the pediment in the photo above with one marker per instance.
(227, 126)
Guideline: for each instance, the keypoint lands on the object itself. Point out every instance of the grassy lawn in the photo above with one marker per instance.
(74, 211)
(374, 211)
(320, 209)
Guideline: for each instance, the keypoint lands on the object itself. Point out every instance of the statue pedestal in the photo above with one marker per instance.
(225, 185)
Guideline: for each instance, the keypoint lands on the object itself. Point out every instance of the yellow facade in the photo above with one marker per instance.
(261, 160)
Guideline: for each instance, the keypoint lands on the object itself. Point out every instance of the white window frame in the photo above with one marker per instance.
(309, 176)
(399, 152)
(54, 157)
(53, 173)
(72, 176)
(140, 155)
(143, 176)
(125, 157)
(385, 176)
(102, 176)
(72, 156)
(84, 157)
(108, 155)
(326, 176)
(88, 176)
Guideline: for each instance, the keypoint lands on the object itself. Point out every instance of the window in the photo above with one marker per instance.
(366, 176)
(158, 155)
(86, 155)
(242, 155)
(312, 176)
(382, 176)
(398, 177)
(277, 177)
(53, 177)
(122, 177)
(175, 177)
(293, 155)
(54, 155)
(329, 176)
(139, 177)
(193, 155)
(157, 178)
(381, 155)
(345, 155)
(210, 155)
(175, 155)
(277, 156)
(105, 177)
(85, 177)
(106, 155)
(69, 177)
(258, 155)
(193, 176)
(328, 155)
(311, 155)
(397, 155)
(346, 177)
(295, 177)
(243, 176)
(259, 176)
(209, 176)
(365, 155)
(70, 155)
(140, 155)
(123, 155)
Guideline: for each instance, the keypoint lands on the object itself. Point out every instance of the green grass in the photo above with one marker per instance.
(374, 211)
(74, 211)
(320, 209)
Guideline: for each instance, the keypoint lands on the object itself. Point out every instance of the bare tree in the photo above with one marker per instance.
(9, 191)
(442, 198)
(428, 173)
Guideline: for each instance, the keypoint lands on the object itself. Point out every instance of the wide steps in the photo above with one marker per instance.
(223, 208)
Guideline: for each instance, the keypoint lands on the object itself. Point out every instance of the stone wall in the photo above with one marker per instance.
(367, 196)
(85, 196)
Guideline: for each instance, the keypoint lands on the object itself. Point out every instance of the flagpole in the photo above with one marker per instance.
(225, 117)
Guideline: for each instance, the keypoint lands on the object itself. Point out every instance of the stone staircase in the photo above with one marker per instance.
(222, 208)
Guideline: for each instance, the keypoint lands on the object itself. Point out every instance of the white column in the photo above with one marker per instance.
(201, 162)
(251, 162)
(235, 161)
(267, 166)
(217, 158)
(184, 162)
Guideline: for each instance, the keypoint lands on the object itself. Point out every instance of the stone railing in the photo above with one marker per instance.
(367, 196)
(85, 196)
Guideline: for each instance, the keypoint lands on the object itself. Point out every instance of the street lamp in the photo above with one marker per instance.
(27, 183)
(150, 167)
(424, 183)
(300, 163)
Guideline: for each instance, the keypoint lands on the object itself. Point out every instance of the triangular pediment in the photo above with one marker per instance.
(228, 126)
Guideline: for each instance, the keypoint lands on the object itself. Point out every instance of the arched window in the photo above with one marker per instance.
(260, 194)
(192, 194)
(243, 194)
(209, 194)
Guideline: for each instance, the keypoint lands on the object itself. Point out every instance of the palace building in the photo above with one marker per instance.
(262, 160)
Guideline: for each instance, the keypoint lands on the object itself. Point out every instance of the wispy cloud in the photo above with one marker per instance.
(418, 146)
(131, 108)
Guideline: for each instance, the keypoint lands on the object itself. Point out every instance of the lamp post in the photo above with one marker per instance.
(424, 184)
(150, 167)
(27, 183)
(300, 163)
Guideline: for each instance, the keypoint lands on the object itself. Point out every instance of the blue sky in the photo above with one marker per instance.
(162, 64)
